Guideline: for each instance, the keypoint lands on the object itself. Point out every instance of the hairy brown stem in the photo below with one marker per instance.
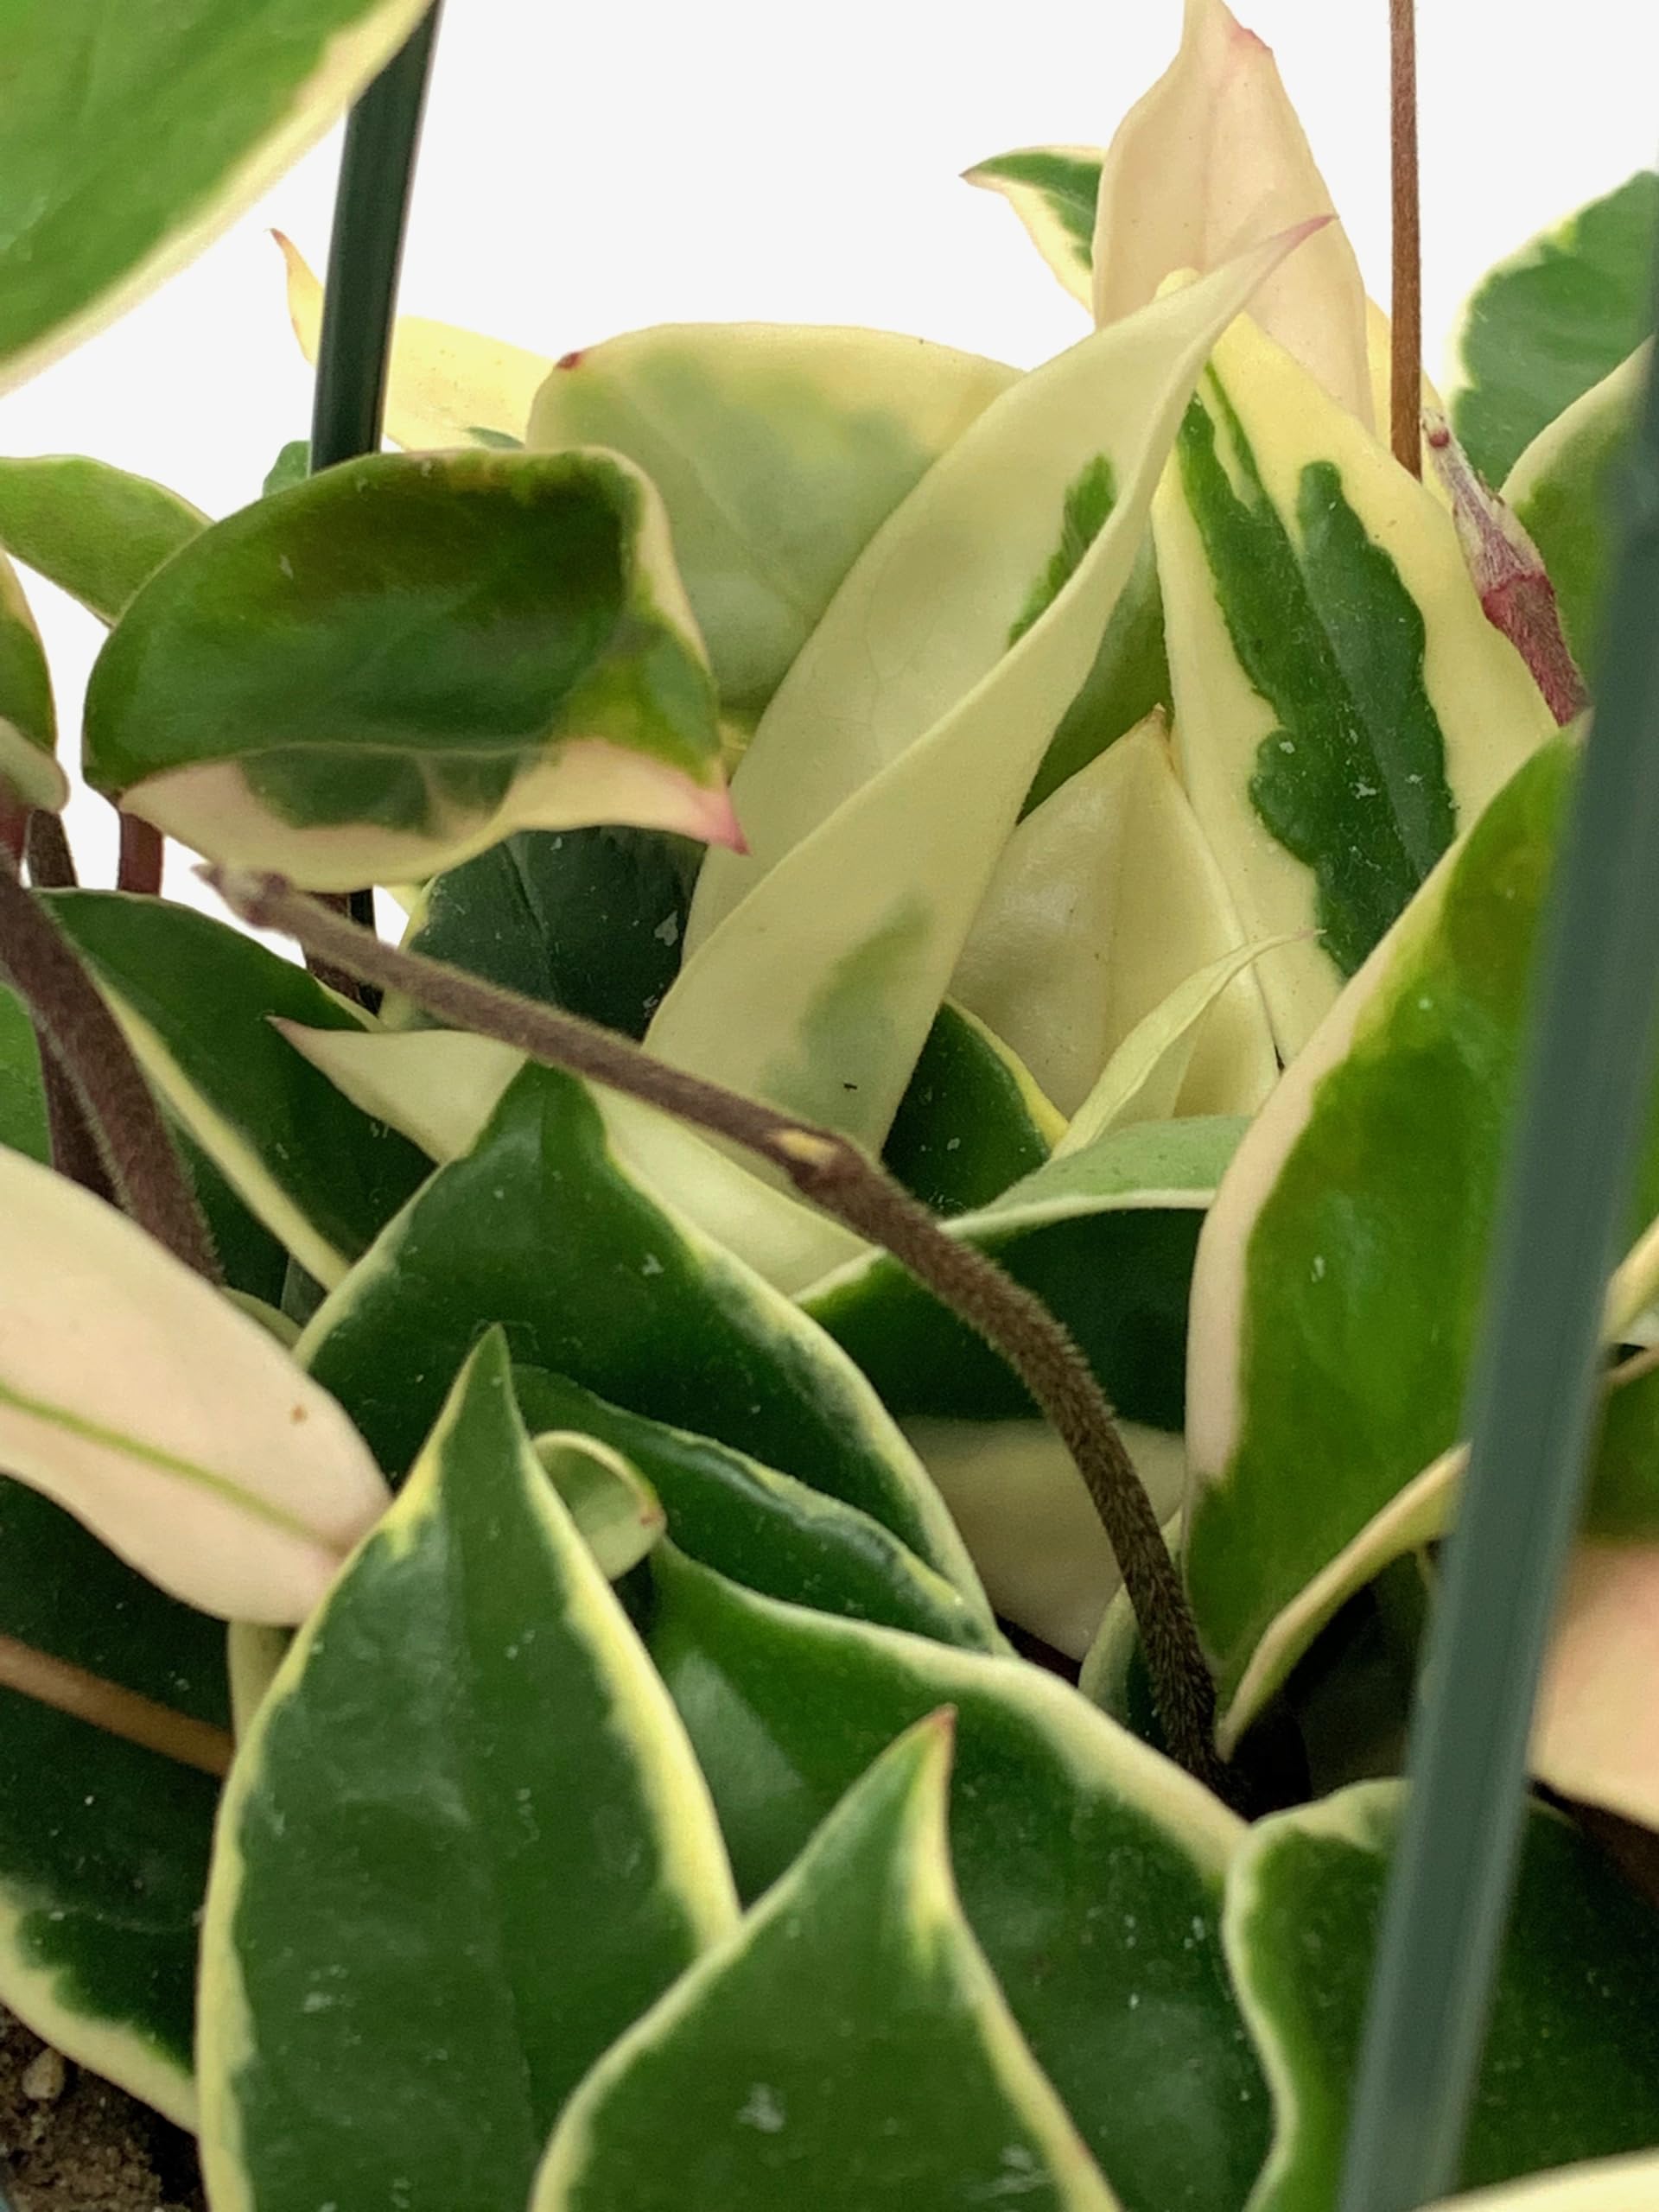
(75, 1025)
(46, 848)
(834, 1174)
(139, 867)
(117, 1710)
(1406, 359)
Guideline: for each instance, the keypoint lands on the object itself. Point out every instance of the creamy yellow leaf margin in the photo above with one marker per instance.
(889, 771)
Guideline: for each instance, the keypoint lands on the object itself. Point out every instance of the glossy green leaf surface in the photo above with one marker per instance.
(464, 1845)
(778, 450)
(28, 723)
(197, 998)
(894, 759)
(137, 1396)
(972, 1122)
(23, 1101)
(1554, 320)
(1053, 190)
(1572, 2059)
(547, 672)
(587, 919)
(235, 90)
(97, 532)
(849, 2041)
(759, 1528)
(1563, 490)
(103, 1846)
(1105, 1236)
(1089, 1867)
(540, 1228)
(1324, 1375)
(292, 466)
(1343, 706)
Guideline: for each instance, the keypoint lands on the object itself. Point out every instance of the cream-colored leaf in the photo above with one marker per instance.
(889, 771)
(1211, 160)
(444, 385)
(1106, 899)
(1327, 536)
(1014, 1491)
(173, 1426)
(1595, 1733)
(1599, 2185)
(1145, 1077)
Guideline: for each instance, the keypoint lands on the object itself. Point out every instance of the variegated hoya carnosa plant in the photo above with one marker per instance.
(1120, 797)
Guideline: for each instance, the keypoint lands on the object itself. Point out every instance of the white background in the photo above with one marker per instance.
(588, 170)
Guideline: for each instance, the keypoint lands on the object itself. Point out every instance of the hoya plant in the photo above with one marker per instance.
(750, 1527)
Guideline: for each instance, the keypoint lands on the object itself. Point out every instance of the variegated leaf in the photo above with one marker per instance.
(892, 765)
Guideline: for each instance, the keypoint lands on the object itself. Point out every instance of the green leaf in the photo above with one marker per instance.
(197, 1000)
(1571, 2068)
(972, 1122)
(463, 1846)
(1562, 491)
(103, 1846)
(766, 1530)
(778, 450)
(1128, 681)
(1326, 1385)
(1105, 899)
(95, 531)
(587, 919)
(251, 1260)
(379, 672)
(22, 1100)
(900, 2083)
(1089, 1866)
(1554, 320)
(542, 1229)
(171, 1425)
(292, 466)
(1342, 704)
(892, 765)
(1104, 1237)
(30, 773)
(444, 387)
(1053, 190)
(616, 1513)
(235, 92)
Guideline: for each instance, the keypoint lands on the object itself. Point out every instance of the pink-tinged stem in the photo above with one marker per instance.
(1516, 594)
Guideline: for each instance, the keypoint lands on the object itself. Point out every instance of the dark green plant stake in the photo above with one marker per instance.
(1532, 1404)
(366, 252)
